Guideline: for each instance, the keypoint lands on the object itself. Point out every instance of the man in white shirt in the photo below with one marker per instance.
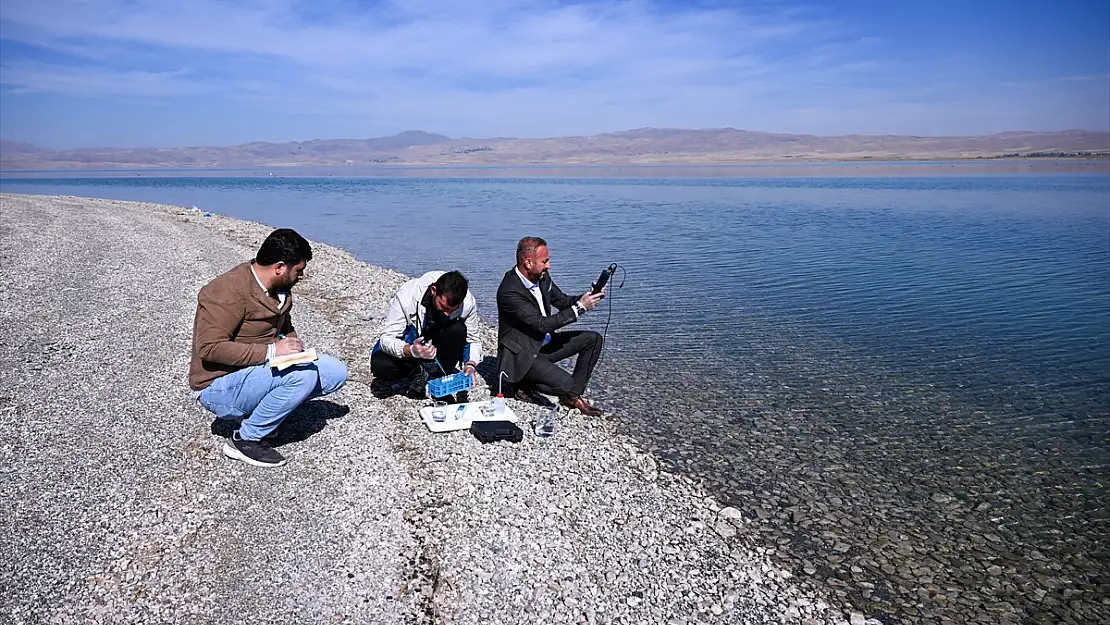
(530, 308)
(431, 318)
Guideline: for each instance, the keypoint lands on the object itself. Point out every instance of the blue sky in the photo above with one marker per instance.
(76, 73)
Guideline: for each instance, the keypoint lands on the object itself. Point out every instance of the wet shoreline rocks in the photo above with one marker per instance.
(900, 520)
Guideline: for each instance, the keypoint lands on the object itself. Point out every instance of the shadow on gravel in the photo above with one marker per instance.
(487, 369)
(489, 372)
(308, 419)
(384, 390)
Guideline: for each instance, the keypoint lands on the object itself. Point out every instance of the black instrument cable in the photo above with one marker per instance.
(609, 298)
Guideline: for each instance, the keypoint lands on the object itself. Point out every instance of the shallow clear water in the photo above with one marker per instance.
(992, 289)
(947, 333)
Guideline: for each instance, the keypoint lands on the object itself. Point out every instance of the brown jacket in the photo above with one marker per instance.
(235, 322)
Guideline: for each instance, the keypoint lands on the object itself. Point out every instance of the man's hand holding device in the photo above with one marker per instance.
(590, 300)
(599, 286)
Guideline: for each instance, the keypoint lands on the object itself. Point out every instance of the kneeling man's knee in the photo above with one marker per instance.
(563, 387)
(455, 331)
(300, 375)
(333, 373)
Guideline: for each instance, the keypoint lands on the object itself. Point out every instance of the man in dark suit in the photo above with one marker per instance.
(530, 308)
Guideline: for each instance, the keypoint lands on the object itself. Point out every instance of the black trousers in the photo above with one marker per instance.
(450, 342)
(547, 377)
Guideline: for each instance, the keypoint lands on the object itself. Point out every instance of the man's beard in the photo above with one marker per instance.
(283, 284)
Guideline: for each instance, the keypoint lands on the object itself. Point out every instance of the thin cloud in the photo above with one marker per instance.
(505, 67)
(24, 77)
(1087, 77)
(457, 44)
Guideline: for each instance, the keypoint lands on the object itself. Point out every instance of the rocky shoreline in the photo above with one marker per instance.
(120, 507)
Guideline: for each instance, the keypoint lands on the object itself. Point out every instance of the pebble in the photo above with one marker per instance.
(732, 515)
(724, 530)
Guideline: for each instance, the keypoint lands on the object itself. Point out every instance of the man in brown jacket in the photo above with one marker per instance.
(243, 320)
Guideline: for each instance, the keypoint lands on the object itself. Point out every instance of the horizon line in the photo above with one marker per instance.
(570, 136)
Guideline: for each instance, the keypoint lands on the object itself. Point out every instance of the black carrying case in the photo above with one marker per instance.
(493, 431)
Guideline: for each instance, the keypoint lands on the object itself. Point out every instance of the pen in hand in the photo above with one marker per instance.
(286, 345)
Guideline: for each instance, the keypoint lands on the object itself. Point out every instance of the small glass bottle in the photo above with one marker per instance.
(545, 424)
(439, 411)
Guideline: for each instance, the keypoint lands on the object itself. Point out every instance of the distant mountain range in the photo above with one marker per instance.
(642, 146)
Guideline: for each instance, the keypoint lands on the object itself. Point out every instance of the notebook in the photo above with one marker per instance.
(288, 360)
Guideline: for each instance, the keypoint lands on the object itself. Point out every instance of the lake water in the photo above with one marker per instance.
(931, 354)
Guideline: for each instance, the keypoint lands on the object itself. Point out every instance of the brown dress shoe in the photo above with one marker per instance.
(578, 402)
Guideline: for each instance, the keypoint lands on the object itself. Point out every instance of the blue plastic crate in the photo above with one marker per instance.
(450, 384)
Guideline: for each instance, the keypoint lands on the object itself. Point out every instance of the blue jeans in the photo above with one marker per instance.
(268, 395)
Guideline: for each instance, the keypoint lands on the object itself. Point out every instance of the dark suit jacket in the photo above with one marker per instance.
(521, 327)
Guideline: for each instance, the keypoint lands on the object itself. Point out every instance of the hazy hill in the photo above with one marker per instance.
(640, 146)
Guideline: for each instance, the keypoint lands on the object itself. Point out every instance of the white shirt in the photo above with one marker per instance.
(281, 296)
(534, 289)
(271, 348)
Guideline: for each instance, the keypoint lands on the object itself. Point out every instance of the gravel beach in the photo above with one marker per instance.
(118, 506)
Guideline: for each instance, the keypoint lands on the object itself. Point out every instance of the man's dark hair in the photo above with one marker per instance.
(453, 285)
(527, 247)
(283, 246)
